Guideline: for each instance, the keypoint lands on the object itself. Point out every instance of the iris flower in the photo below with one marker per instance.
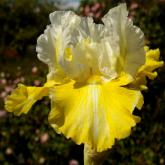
(96, 74)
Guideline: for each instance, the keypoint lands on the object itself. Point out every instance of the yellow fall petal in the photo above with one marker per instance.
(23, 97)
(94, 114)
(148, 69)
(152, 63)
(123, 79)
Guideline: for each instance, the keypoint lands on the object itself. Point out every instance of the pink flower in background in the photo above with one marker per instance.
(34, 70)
(134, 5)
(3, 81)
(44, 138)
(37, 82)
(94, 10)
(96, 7)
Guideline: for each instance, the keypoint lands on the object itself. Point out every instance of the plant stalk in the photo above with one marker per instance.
(91, 157)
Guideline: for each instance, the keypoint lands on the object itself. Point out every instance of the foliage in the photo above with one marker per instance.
(22, 22)
(29, 139)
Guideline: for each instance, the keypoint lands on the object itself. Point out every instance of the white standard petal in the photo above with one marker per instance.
(50, 45)
(90, 52)
(79, 58)
(130, 39)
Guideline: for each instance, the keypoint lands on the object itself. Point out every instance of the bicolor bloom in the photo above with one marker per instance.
(96, 74)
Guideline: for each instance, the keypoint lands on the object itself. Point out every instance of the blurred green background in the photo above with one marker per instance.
(29, 139)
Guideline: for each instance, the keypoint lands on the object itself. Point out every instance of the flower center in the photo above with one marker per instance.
(94, 79)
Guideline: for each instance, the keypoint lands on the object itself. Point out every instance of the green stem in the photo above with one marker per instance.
(92, 157)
